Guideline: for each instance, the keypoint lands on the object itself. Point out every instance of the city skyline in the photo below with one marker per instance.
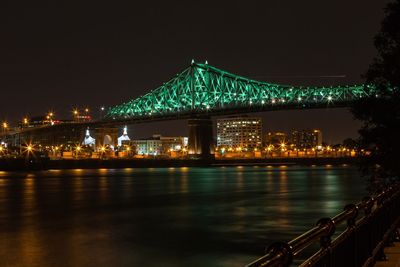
(101, 66)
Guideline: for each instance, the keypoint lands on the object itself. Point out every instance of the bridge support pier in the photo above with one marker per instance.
(201, 138)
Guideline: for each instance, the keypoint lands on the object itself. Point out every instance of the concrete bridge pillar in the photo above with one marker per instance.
(201, 144)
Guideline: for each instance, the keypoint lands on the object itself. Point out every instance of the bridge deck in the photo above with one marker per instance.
(393, 256)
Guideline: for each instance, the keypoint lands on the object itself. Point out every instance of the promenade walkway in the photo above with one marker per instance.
(393, 256)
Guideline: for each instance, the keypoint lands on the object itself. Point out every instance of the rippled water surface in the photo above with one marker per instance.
(163, 217)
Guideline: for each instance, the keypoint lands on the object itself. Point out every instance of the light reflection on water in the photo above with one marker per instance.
(221, 216)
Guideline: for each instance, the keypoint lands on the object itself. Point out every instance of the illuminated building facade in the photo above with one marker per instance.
(239, 132)
(275, 138)
(159, 145)
(306, 138)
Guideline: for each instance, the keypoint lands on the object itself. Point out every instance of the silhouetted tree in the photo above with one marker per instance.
(381, 113)
(350, 143)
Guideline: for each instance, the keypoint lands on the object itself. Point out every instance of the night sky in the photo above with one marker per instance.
(56, 56)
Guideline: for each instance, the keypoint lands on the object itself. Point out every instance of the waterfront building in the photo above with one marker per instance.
(170, 144)
(239, 132)
(88, 140)
(124, 138)
(275, 139)
(306, 138)
(159, 145)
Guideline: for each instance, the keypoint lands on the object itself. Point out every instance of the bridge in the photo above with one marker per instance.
(201, 91)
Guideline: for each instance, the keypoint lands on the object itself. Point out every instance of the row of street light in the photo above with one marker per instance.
(49, 118)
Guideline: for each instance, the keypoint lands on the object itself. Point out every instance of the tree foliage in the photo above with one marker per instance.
(381, 114)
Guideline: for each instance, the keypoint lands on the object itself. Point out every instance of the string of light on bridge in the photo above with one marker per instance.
(201, 88)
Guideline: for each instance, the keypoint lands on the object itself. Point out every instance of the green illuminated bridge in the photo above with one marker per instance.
(202, 89)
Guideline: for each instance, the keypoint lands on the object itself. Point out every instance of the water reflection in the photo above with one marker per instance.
(174, 216)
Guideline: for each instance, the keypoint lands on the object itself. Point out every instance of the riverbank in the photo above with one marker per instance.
(46, 164)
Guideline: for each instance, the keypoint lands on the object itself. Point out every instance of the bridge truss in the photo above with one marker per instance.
(203, 89)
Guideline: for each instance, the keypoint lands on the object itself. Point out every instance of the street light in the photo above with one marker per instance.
(75, 112)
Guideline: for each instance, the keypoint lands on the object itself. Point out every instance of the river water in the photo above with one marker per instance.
(222, 216)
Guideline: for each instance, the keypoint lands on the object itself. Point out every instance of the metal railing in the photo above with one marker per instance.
(360, 244)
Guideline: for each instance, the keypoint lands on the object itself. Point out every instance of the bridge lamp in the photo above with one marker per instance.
(299, 98)
(329, 98)
(78, 148)
(5, 125)
(273, 101)
(25, 120)
(102, 149)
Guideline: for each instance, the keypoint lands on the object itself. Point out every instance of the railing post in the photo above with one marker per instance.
(369, 203)
(325, 240)
(351, 222)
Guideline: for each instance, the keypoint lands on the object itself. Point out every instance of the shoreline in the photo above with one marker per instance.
(46, 164)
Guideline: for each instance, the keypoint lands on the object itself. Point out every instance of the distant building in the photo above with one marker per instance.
(88, 140)
(124, 138)
(275, 138)
(159, 145)
(239, 132)
(306, 138)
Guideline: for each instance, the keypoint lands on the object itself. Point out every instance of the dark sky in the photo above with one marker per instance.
(56, 56)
